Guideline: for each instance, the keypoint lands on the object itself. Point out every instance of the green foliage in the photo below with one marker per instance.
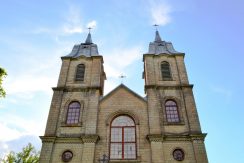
(27, 155)
(3, 74)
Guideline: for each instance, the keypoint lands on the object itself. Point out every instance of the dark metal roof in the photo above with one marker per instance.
(157, 37)
(161, 47)
(89, 39)
(87, 49)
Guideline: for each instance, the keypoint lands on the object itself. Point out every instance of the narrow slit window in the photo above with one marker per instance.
(80, 72)
(171, 111)
(73, 114)
(165, 70)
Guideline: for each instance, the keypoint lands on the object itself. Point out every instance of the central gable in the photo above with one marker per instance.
(122, 97)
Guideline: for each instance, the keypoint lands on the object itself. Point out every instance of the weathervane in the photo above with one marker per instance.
(156, 25)
(122, 77)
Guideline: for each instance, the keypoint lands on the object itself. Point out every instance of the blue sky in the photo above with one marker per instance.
(35, 34)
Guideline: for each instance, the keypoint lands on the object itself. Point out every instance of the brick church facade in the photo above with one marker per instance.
(84, 126)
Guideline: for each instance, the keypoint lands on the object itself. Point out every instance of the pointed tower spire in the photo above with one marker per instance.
(157, 37)
(89, 39)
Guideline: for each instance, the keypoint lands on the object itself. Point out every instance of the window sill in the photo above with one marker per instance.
(174, 123)
(71, 125)
(124, 161)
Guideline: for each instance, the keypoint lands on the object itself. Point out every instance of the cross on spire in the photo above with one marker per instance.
(122, 77)
(89, 39)
(156, 26)
(89, 28)
(157, 36)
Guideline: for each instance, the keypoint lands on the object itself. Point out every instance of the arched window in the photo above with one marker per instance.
(73, 114)
(80, 72)
(123, 138)
(171, 110)
(165, 71)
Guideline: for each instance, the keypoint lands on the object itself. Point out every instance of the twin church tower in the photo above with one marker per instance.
(84, 126)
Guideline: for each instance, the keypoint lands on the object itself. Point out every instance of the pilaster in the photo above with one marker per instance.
(89, 148)
(156, 147)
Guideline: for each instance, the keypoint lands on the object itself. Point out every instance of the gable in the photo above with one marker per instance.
(123, 96)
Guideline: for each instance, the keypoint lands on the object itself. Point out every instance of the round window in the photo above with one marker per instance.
(178, 154)
(67, 156)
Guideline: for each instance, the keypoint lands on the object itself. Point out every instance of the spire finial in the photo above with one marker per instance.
(89, 29)
(89, 39)
(156, 26)
(122, 77)
(157, 36)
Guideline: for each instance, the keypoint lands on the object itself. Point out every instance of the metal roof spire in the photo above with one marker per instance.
(89, 39)
(157, 36)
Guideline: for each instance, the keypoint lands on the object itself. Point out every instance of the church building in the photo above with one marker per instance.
(86, 126)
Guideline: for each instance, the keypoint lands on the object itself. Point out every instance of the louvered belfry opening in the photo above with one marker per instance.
(165, 70)
(80, 72)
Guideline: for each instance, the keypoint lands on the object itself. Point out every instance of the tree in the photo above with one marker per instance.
(3, 74)
(27, 155)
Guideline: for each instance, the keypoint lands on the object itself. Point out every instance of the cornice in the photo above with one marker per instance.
(90, 138)
(174, 137)
(70, 139)
(155, 138)
(83, 57)
(163, 54)
(48, 139)
(76, 89)
(178, 86)
(124, 161)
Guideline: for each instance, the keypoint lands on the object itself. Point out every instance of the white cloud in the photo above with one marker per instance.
(160, 12)
(116, 63)
(109, 86)
(8, 133)
(118, 59)
(91, 24)
(4, 149)
(14, 126)
(70, 29)
(16, 145)
(29, 83)
(72, 24)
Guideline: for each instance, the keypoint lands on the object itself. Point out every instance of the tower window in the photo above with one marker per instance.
(73, 114)
(165, 70)
(171, 110)
(123, 138)
(80, 72)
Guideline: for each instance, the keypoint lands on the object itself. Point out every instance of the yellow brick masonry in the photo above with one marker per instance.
(156, 139)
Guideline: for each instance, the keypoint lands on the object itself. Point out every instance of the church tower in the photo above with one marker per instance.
(84, 126)
(173, 119)
(72, 120)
